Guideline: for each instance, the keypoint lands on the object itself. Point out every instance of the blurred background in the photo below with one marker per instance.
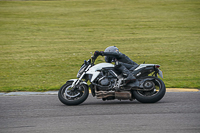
(44, 43)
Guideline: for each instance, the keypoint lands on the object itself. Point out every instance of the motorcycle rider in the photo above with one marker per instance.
(122, 62)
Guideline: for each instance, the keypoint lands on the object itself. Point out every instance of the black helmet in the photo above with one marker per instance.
(110, 49)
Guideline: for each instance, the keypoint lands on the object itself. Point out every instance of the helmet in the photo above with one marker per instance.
(110, 49)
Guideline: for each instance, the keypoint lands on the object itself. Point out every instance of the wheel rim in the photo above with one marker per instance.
(154, 91)
(71, 94)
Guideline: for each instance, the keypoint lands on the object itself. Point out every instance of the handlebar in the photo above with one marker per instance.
(93, 59)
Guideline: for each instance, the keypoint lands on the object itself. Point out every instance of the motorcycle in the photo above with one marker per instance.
(107, 83)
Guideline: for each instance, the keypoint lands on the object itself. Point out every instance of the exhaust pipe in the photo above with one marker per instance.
(124, 95)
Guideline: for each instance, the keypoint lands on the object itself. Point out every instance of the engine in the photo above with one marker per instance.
(105, 88)
(104, 81)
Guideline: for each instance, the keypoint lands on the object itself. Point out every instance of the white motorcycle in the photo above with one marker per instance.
(107, 83)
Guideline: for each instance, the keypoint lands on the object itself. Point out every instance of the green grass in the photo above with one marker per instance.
(43, 43)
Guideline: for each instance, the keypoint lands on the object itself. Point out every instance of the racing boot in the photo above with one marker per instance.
(126, 73)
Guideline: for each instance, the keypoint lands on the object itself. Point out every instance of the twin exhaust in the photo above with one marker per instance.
(124, 95)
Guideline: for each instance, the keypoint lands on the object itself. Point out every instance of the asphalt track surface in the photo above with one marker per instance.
(177, 112)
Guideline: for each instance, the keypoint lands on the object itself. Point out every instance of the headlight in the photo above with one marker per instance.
(78, 75)
(80, 72)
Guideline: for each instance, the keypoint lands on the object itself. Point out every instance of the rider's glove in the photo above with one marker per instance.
(97, 53)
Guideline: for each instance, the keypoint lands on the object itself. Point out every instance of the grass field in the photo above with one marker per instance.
(43, 43)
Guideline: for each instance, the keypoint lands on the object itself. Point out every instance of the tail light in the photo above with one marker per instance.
(157, 66)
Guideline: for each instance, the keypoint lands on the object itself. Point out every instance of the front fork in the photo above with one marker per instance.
(77, 81)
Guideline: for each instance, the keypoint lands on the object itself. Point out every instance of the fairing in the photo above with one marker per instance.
(95, 70)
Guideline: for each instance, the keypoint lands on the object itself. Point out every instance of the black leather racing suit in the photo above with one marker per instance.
(122, 63)
(121, 58)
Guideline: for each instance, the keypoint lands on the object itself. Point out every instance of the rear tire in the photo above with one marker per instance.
(151, 96)
(69, 97)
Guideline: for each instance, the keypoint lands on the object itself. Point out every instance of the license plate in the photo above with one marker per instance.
(160, 73)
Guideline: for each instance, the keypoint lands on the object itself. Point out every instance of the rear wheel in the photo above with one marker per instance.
(156, 91)
(70, 96)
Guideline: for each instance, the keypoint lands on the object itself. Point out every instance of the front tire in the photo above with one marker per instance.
(154, 95)
(69, 96)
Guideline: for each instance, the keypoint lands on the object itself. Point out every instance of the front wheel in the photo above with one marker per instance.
(156, 91)
(73, 96)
